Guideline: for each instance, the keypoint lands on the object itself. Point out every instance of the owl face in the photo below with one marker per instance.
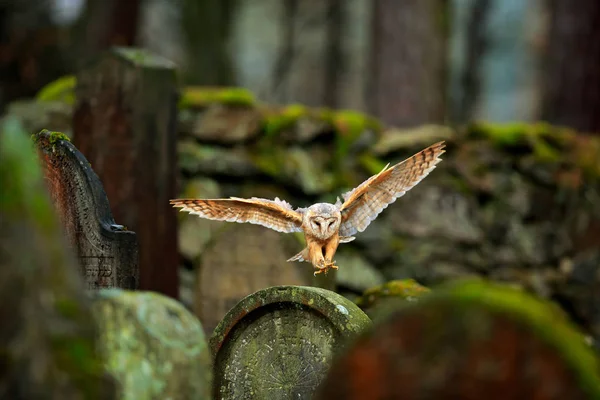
(322, 220)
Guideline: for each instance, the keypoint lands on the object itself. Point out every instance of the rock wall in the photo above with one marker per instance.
(513, 202)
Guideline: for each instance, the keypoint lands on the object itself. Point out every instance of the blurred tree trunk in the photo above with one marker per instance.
(408, 61)
(206, 25)
(30, 51)
(105, 23)
(572, 79)
(470, 76)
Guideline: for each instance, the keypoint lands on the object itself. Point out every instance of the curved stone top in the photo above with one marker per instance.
(467, 340)
(342, 313)
(277, 343)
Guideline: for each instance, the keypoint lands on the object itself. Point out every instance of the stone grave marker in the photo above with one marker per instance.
(47, 332)
(153, 346)
(471, 340)
(124, 122)
(242, 259)
(107, 252)
(277, 343)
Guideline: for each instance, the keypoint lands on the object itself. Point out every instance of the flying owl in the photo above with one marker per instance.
(325, 225)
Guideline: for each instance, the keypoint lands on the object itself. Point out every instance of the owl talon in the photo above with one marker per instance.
(330, 264)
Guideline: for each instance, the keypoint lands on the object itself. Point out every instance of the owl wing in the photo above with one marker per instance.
(274, 214)
(364, 203)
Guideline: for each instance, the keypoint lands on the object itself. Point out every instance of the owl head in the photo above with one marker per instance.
(322, 220)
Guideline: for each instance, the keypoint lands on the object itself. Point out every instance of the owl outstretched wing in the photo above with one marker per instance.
(364, 203)
(274, 214)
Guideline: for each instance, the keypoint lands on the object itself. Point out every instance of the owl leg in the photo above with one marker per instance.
(329, 251)
(315, 253)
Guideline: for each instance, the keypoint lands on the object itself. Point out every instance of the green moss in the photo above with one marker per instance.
(277, 120)
(142, 57)
(548, 143)
(24, 198)
(199, 97)
(544, 140)
(269, 160)
(402, 289)
(67, 307)
(349, 125)
(62, 89)
(586, 155)
(547, 320)
(372, 164)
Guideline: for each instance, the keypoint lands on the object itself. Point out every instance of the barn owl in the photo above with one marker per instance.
(324, 225)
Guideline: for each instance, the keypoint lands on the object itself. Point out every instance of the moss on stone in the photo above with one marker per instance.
(544, 140)
(152, 345)
(276, 120)
(405, 289)
(61, 89)
(547, 143)
(142, 57)
(200, 97)
(64, 338)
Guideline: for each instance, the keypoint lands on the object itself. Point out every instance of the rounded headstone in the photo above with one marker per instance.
(153, 345)
(470, 340)
(278, 343)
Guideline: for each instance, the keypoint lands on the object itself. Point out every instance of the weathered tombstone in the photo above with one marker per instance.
(379, 299)
(125, 124)
(153, 346)
(47, 332)
(471, 340)
(107, 252)
(277, 343)
(240, 260)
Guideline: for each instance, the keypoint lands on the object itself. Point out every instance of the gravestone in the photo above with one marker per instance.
(471, 340)
(244, 258)
(153, 346)
(124, 122)
(47, 332)
(107, 252)
(277, 343)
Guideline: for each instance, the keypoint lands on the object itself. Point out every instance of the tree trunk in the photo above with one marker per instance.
(408, 61)
(572, 78)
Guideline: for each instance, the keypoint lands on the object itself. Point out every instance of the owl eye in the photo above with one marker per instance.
(329, 224)
(318, 223)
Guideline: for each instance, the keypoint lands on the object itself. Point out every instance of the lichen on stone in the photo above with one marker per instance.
(406, 289)
(61, 89)
(201, 97)
(278, 119)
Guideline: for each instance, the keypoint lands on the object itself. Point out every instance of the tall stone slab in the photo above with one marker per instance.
(125, 124)
(107, 252)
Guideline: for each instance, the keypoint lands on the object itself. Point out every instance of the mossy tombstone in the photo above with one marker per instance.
(107, 252)
(47, 333)
(153, 346)
(277, 343)
(470, 340)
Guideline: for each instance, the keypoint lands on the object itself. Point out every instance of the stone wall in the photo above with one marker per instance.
(513, 202)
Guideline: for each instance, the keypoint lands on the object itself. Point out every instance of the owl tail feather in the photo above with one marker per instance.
(302, 256)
